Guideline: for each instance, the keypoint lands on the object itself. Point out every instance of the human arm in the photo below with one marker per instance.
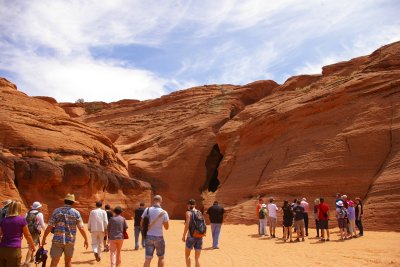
(83, 233)
(41, 223)
(89, 221)
(48, 230)
(166, 221)
(28, 238)
(186, 228)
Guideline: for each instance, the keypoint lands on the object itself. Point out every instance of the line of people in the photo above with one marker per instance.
(295, 215)
(107, 229)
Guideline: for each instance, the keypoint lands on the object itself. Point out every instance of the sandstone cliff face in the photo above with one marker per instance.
(44, 155)
(339, 133)
(167, 141)
(313, 136)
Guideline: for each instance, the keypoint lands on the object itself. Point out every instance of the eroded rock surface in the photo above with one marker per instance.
(45, 155)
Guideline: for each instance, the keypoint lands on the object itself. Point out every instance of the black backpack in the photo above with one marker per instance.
(145, 225)
(41, 256)
(261, 214)
(197, 227)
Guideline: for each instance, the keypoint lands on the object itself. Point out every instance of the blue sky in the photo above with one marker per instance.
(119, 49)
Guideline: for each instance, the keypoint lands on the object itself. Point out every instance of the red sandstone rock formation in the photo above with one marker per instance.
(313, 136)
(45, 154)
(167, 141)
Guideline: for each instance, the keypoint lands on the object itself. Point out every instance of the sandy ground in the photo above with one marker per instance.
(240, 246)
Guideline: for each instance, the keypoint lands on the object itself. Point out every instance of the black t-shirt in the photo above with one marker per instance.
(216, 213)
(358, 210)
(287, 213)
(299, 213)
(138, 215)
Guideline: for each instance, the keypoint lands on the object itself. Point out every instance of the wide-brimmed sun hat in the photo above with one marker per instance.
(36, 205)
(263, 206)
(340, 203)
(70, 197)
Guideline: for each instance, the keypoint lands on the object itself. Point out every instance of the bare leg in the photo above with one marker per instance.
(160, 262)
(147, 263)
(187, 256)
(54, 262)
(197, 257)
(290, 233)
(68, 262)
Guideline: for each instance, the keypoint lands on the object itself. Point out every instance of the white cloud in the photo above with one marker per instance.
(47, 44)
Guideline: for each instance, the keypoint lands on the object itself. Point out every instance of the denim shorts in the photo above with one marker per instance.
(196, 243)
(155, 243)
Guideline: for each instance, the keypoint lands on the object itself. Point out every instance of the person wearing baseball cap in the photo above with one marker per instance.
(63, 222)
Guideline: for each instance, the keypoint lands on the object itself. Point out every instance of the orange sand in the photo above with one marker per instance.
(240, 246)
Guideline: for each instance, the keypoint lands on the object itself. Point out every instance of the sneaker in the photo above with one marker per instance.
(327, 239)
(297, 240)
(302, 240)
(96, 255)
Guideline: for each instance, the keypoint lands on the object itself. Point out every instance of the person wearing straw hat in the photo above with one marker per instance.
(63, 223)
(36, 225)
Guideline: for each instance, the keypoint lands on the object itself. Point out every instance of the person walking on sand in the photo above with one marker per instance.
(138, 217)
(97, 226)
(351, 216)
(316, 204)
(216, 214)
(359, 215)
(258, 208)
(287, 221)
(115, 229)
(263, 217)
(192, 238)
(299, 221)
(272, 216)
(109, 215)
(36, 225)
(323, 218)
(306, 206)
(158, 218)
(63, 222)
(12, 228)
(341, 215)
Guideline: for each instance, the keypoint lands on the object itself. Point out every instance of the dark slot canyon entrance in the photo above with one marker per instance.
(212, 164)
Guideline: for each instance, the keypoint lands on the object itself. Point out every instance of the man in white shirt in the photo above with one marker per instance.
(306, 206)
(154, 238)
(273, 216)
(97, 226)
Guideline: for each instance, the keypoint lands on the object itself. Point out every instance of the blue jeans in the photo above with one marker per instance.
(137, 232)
(215, 230)
(155, 243)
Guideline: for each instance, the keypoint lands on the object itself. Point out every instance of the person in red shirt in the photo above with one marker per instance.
(323, 218)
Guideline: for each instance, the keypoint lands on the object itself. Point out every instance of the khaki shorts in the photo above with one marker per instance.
(272, 221)
(57, 250)
(299, 225)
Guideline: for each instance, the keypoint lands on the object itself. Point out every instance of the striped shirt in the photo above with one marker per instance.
(65, 220)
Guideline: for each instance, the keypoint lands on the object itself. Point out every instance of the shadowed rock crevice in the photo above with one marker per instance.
(212, 164)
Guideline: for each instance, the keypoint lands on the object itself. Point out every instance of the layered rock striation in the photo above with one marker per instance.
(313, 136)
(45, 154)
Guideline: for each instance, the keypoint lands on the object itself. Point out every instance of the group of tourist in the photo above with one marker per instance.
(348, 214)
(107, 228)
